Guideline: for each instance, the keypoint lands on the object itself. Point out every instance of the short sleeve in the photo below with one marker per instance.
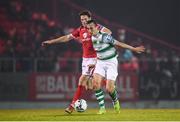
(75, 33)
(99, 27)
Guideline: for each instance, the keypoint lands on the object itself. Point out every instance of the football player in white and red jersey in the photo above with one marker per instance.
(89, 55)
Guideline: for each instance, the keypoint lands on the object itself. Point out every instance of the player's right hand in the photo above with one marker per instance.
(139, 49)
(46, 43)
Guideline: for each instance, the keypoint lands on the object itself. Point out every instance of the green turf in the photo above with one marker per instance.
(90, 115)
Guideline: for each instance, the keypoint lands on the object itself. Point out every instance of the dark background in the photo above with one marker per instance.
(159, 18)
(25, 24)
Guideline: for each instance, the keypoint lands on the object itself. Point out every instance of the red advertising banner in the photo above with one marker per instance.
(127, 86)
(61, 86)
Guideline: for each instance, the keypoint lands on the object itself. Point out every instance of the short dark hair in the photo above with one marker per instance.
(91, 21)
(85, 12)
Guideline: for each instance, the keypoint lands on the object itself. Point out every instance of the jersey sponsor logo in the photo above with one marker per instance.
(87, 39)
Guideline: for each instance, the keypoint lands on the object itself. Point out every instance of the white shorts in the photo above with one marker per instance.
(85, 65)
(107, 68)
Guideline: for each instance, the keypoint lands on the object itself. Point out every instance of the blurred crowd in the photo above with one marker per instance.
(22, 30)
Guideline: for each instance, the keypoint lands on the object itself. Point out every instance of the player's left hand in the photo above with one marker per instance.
(46, 43)
(139, 49)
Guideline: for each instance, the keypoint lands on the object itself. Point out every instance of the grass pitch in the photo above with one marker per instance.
(90, 115)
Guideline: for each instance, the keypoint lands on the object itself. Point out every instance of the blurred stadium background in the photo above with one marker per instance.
(36, 77)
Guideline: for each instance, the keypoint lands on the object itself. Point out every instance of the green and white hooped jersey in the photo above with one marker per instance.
(104, 46)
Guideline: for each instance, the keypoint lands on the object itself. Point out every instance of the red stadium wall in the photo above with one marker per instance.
(60, 86)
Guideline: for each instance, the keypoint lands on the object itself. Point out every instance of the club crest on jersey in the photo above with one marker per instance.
(85, 35)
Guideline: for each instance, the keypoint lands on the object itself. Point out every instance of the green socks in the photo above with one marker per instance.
(100, 97)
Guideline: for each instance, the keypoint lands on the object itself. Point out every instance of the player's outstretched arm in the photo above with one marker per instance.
(106, 38)
(61, 39)
(138, 49)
